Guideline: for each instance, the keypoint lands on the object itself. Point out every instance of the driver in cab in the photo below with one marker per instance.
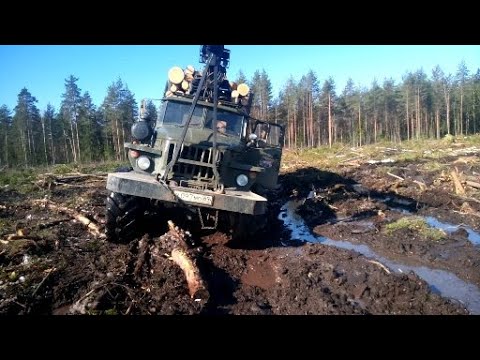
(222, 126)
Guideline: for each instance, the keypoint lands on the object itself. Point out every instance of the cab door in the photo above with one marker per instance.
(268, 152)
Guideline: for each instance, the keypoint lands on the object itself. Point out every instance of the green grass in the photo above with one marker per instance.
(19, 180)
(6, 226)
(407, 151)
(417, 224)
(23, 180)
(433, 166)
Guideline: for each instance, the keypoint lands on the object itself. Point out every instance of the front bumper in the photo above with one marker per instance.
(245, 202)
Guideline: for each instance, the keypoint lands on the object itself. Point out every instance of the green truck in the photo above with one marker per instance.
(205, 154)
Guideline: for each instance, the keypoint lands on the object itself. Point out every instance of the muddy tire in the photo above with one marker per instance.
(123, 213)
(246, 227)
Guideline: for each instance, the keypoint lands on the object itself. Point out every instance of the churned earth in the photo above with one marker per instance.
(382, 234)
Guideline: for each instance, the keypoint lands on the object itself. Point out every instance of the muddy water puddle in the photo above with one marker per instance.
(473, 236)
(443, 282)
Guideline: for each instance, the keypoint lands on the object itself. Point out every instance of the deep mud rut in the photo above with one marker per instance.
(344, 259)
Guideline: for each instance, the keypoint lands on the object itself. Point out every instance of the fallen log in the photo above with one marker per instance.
(459, 190)
(422, 185)
(143, 249)
(74, 176)
(380, 265)
(395, 176)
(194, 281)
(10, 237)
(92, 227)
(473, 184)
(185, 259)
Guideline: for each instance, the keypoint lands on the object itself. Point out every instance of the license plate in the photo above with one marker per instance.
(195, 198)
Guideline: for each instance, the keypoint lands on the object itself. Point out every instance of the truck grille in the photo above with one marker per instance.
(194, 163)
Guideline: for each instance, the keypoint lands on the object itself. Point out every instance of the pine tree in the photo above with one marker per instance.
(461, 79)
(86, 120)
(327, 103)
(5, 129)
(70, 109)
(241, 78)
(151, 113)
(48, 120)
(119, 111)
(26, 124)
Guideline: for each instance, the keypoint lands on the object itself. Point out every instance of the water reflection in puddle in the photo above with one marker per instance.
(473, 236)
(444, 282)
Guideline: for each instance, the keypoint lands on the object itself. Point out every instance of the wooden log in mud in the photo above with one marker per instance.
(473, 184)
(92, 227)
(195, 282)
(459, 190)
(186, 260)
(422, 185)
(395, 176)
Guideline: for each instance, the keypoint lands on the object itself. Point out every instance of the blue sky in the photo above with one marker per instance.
(43, 69)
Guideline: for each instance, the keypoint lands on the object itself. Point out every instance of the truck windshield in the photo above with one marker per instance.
(228, 123)
(177, 114)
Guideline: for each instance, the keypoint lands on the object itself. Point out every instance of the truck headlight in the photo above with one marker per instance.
(143, 162)
(242, 180)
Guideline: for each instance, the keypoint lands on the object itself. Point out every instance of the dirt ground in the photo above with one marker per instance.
(54, 265)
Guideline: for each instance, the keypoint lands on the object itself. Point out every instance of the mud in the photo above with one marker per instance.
(61, 268)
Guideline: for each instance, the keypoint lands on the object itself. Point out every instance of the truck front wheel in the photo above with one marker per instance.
(123, 213)
(246, 227)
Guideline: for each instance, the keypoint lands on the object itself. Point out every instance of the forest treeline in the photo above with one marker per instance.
(314, 114)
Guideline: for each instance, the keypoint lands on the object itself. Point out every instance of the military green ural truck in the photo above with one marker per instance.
(205, 154)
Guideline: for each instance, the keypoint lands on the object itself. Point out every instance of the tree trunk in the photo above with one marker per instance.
(289, 127)
(330, 125)
(117, 141)
(78, 143)
(446, 95)
(29, 142)
(304, 127)
(123, 141)
(74, 151)
(359, 124)
(66, 148)
(408, 119)
(23, 143)
(295, 126)
(319, 130)
(374, 119)
(52, 149)
(44, 141)
(419, 126)
(6, 148)
(461, 110)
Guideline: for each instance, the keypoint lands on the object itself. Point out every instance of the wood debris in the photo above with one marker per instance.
(459, 190)
(92, 227)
